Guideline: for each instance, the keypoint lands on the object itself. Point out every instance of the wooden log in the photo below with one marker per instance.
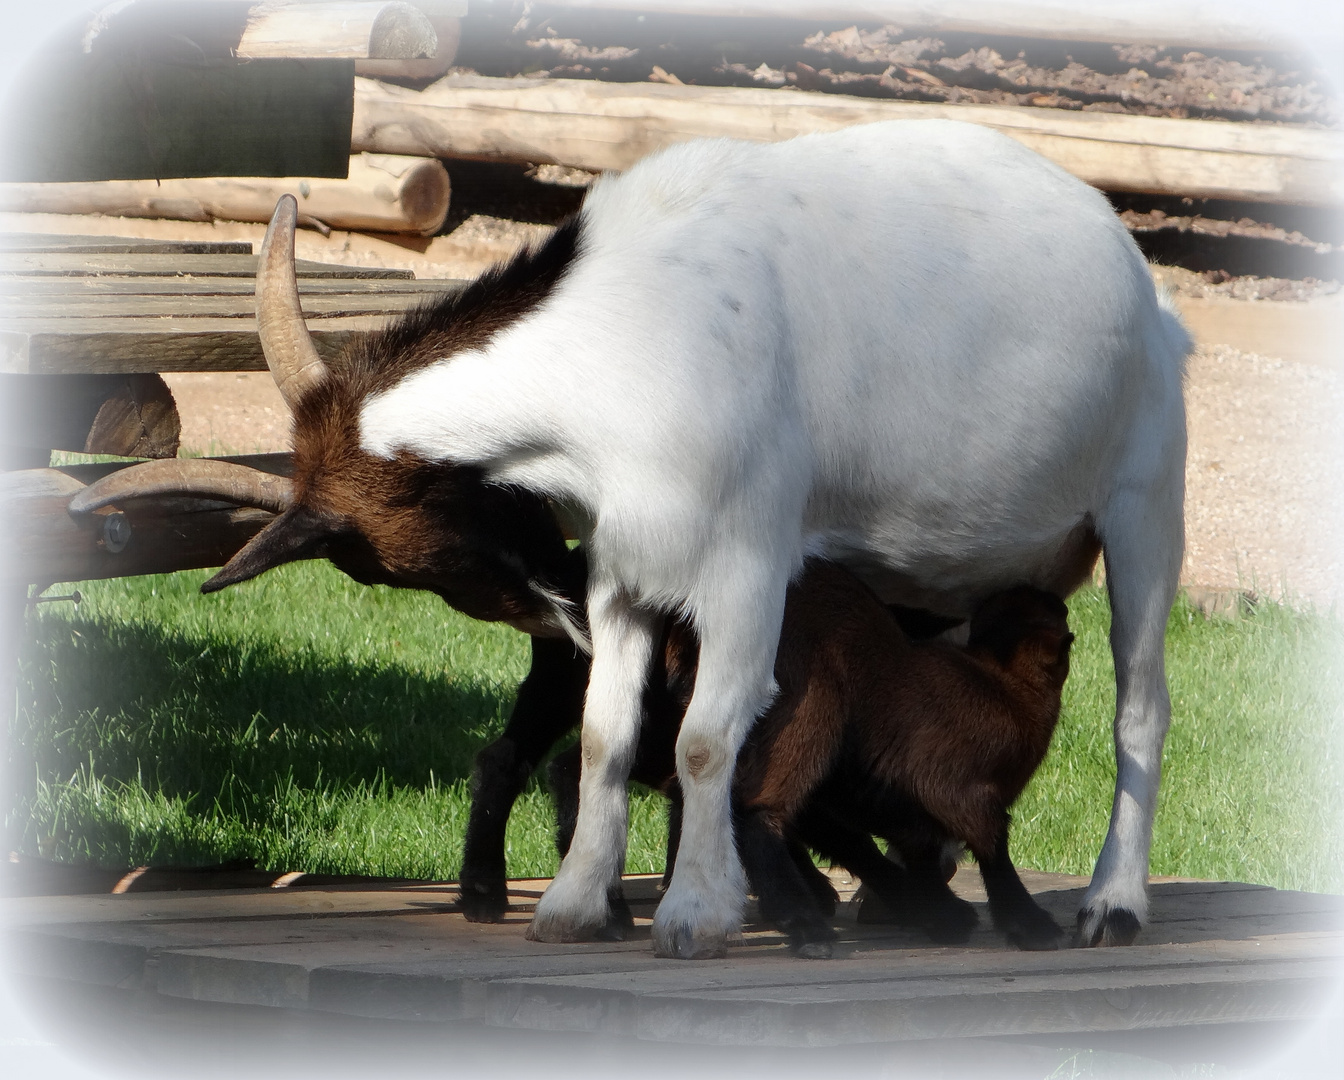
(125, 415)
(382, 193)
(593, 125)
(338, 30)
(446, 18)
(149, 536)
(1120, 22)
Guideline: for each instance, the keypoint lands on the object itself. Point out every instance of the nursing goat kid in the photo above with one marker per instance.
(924, 744)
(868, 346)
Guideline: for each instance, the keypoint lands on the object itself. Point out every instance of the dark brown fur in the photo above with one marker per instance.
(920, 743)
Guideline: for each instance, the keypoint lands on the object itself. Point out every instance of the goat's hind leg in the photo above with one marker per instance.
(787, 899)
(576, 907)
(1142, 534)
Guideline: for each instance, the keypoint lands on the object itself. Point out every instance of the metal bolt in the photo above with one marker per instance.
(116, 533)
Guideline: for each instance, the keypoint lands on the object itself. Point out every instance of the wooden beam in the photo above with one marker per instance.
(125, 415)
(593, 125)
(63, 264)
(331, 30)
(381, 193)
(116, 346)
(146, 537)
(72, 244)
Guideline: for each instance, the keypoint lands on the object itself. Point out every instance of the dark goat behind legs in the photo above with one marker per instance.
(917, 743)
(921, 743)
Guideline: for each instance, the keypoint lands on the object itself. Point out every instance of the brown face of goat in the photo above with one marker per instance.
(493, 552)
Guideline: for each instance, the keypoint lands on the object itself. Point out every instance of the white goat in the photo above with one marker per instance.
(916, 347)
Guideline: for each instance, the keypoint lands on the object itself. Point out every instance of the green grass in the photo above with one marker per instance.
(313, 724)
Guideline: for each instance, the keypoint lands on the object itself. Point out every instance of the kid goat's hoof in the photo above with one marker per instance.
(1104, 926)
(482, 903)
(1037, 933)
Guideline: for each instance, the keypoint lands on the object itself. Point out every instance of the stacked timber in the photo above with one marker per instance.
(596, 126)
(383, 193)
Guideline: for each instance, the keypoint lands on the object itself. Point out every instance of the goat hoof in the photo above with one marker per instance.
(814, 950)
(1105, 926)
(681, 943)
(951, 923)
(1036, 935)
(483, 902)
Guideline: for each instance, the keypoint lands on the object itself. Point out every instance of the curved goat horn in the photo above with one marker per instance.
(285, 340)
(202, 478)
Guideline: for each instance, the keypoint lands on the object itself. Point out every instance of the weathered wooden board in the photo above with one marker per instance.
(207, 285)
(67, 264)
(1214, 953)
(72, 243)
(594, 125)
(122, 306)
(114, 346)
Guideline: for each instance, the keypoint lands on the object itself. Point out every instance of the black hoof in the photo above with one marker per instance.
(1109, 926)
(1033, 932)
(483, 902)
(950, 923)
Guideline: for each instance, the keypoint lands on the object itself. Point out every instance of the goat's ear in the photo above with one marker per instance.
(298, 533)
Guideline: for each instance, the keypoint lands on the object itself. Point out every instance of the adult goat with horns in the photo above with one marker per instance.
(915, 347)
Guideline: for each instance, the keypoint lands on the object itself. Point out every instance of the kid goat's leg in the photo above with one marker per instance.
(1142, 533)
(575, 907)
(550, 703)
(738, 621)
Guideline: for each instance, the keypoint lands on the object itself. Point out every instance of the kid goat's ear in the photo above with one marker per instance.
(298, 533)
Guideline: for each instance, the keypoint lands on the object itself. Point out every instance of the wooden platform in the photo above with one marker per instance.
(108, 305)
(1215, 953)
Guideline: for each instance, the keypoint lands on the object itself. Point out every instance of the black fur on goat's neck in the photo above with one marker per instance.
(459, 321)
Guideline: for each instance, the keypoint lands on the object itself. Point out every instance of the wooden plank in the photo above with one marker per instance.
(16, 286)
(382, 193)
(123, 346)
(398, 953)
(66, 264)
(238, 306)
(73, 244)
(1308, 333)
(597, 126)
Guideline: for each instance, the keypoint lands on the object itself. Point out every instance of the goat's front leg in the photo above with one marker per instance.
(576, 906)
(739, 633)
(549, 704)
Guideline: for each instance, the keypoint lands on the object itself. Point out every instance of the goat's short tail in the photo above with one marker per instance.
(1174, 343)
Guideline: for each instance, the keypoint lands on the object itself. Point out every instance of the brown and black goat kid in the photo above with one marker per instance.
(922, 743)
